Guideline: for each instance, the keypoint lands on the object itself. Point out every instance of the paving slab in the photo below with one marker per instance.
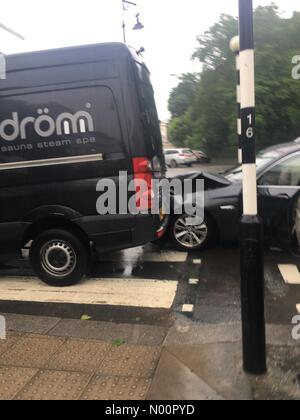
(187, 333)
(184, 333)
(107, 331)
(11, 339)
(116, 388)
(53, 385)
(175, 381)
(148, 335)
(30, 324)
(130, 361)
(79, 356)
(12, 380)
(218, 365)
(31, 351)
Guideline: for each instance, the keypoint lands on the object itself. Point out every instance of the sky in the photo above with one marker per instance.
(169, 37)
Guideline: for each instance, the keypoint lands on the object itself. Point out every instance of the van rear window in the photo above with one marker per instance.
(152, 125)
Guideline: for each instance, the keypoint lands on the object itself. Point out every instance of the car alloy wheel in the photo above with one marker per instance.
(190, 236)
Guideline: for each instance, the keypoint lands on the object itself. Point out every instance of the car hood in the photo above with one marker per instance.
(211, 181)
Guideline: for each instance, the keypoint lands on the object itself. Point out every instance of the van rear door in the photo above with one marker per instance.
(150, 120)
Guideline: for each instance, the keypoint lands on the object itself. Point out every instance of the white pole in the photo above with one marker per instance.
(251, 228)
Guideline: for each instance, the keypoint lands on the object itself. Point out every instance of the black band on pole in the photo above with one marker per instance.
(248, 135)
(251, 231)
(252, 295)
(246, 25)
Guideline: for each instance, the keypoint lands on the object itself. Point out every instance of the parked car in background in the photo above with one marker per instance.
(201, 156)
(278, 180)
(177, 157)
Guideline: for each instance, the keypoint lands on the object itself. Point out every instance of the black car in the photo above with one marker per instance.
(69, 118)
(278, 179)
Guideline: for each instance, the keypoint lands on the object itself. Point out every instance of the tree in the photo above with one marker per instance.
(213, 47)
(179, 130)
(203, 107)
(183, 95)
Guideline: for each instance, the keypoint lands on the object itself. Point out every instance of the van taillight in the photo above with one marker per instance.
(142, 171)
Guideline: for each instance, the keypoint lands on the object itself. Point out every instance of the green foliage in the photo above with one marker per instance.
(179, 129)
(203, 107)
(86, 318)
(119, 342)
(183, 95)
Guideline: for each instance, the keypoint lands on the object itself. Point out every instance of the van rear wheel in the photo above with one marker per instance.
(59, 257)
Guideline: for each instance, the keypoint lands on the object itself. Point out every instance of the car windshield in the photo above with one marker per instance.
(263, 159)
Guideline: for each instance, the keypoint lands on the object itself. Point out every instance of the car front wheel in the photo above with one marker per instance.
(189, 235)
(59, 257)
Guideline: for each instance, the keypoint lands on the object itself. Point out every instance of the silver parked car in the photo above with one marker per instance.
(177, 157)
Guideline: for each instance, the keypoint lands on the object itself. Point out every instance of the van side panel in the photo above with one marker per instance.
(68, 119)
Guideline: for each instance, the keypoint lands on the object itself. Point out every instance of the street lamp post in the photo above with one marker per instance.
(137, 26)
(235, 48)
(251, 230)
(11, 31)
(2, 56)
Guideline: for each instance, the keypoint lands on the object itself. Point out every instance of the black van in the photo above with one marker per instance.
(69, 117)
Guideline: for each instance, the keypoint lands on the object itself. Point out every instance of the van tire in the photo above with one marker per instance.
(59, 257)
(173, 164)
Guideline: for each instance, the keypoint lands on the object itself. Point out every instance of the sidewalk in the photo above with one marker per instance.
(51, 358)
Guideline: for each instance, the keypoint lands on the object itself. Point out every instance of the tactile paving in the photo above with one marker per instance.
(79, 356)
(31, 351)
(136, 361)
(53, 385)
(114, 388)
(12, 380)
(11, 339)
